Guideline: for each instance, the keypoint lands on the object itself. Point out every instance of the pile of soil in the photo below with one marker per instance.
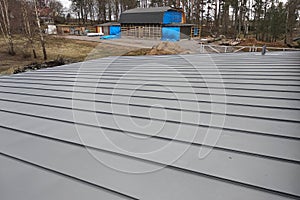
(167, 48)
(138, 52)
(253, 41)
(163, 48)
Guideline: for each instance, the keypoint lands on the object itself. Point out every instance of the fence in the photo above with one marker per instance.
(146, 32)
(236, 49)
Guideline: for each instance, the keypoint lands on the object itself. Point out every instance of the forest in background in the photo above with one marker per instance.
(268, 20)
(265, 20)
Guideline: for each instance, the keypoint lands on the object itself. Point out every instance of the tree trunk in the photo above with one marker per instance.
(5, 26)
(40, 31)
(109, 12)
(27, 28)
(82, 15)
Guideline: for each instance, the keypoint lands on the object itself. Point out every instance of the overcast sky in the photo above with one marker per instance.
(66, 3)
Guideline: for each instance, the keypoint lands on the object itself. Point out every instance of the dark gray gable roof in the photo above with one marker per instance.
(144, 15)
(148, 10)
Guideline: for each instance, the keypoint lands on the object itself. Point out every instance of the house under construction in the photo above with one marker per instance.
(163, 23)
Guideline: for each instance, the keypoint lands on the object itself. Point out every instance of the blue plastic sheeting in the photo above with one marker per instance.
(115, 30)
(196, 31)
(170, 34)
(172, 17)
(110, 37)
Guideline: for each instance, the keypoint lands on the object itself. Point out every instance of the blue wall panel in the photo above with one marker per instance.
(170, 34)
(196, 31)
(172, 17)
(115, 30)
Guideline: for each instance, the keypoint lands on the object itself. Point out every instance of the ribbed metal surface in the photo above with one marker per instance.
(153, 15)
(165, 127)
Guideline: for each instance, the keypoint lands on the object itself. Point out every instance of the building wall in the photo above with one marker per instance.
(172, 17)
(153, 28)
(145, 32)
(106, 30)
(170, 34)
(185, 32)
(99, 29)
(115, 30)
(167, 33)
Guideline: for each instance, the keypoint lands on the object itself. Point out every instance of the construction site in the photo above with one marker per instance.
(149, 100)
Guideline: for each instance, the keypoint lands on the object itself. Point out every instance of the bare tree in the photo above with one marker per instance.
(5, 26)
(27, 21)
(292, 12)
(101, 11)
(40, 30)
(56, 7)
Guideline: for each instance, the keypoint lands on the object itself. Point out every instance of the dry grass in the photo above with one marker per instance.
(139, 52)
(57, 47)
(253, 41)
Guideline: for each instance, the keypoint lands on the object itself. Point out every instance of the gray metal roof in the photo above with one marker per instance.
(178, 24)
(149, 10)
(223, 126)
(109, 24)
(153, 15)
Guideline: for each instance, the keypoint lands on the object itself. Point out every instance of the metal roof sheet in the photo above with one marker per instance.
(153, 15)
(149, 10)
(109, 24)
(154, 127)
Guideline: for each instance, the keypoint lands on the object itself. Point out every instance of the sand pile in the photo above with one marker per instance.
(167, 48)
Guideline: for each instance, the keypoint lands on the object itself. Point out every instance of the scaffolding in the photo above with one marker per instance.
(196, 31)
(142, 32)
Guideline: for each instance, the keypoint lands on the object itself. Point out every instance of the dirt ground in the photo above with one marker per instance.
(57, 47)
(252, 41)
(76, 49)
(189, 45)
(80, 48)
